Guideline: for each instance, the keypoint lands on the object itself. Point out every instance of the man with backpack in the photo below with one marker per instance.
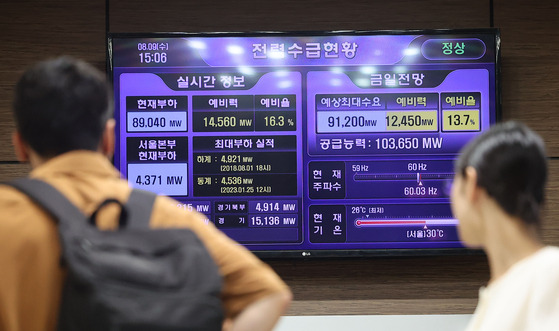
(59, 271)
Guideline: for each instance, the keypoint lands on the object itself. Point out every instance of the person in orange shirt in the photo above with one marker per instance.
(65, 130)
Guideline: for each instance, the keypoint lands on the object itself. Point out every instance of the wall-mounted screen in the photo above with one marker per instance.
(306, 144)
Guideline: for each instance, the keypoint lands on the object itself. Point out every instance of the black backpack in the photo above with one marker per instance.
(134, 278)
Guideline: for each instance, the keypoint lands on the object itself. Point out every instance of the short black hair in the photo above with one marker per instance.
(61, 105)
(511, 165)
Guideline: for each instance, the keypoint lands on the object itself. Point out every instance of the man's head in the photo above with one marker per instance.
(61, 105)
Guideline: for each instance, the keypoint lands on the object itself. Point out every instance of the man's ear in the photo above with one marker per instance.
(20, 147)
(108, 139)
(470, 184)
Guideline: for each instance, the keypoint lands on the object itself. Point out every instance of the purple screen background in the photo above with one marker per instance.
(282, 151)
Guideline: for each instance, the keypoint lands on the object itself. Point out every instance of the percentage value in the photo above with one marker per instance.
(461, 120)
(458, 119)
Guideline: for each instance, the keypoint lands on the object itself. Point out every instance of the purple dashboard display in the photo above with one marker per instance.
(307, 144)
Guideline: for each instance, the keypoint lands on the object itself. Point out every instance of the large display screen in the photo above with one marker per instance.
(306, 144)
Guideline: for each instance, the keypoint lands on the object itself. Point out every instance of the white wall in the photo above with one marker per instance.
(374, 322)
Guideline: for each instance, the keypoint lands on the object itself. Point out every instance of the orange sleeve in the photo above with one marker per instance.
(246, 279)
(30, 274)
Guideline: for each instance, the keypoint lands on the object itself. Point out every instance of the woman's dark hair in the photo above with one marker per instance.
(511, 166)
(61, 105)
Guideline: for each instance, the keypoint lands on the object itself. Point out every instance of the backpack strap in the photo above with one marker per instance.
(50, 199)
(139, 207)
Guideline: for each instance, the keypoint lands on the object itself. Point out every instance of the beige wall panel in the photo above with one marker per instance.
(530, 69)
(292, 15)
(32, 30)
(12, 171)
(383, 307)
(550, 226)
(412, 285)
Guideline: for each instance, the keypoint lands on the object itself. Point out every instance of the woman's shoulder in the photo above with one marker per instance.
(548, 256)
(550, 250)
(541, 275)
(543, 264)
(537, 270)
(548, 261)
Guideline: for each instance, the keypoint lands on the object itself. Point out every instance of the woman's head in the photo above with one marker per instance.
(509, 163)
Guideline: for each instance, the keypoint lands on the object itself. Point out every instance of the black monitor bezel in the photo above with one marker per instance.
(333, 253)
